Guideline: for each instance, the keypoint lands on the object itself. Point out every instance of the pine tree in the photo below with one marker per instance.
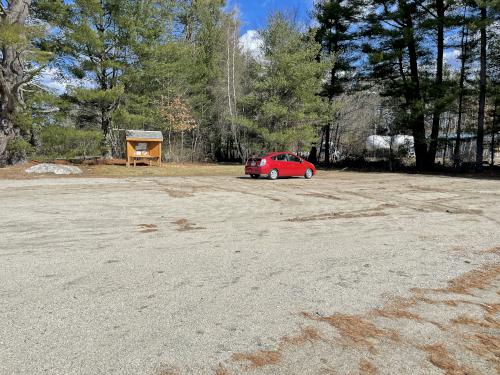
(395, 52)
(97, 39)
(337, 33)
(283, 106)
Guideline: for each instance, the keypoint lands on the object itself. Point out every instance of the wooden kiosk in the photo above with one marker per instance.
(143, 145)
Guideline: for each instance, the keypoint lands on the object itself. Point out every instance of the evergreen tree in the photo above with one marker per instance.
(338, 20)
(396, 51)
(97, 38)
(284, 105)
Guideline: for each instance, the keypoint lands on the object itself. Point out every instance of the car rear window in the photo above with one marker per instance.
(280, 157)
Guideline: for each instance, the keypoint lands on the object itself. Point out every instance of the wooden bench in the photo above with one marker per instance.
(134, 158)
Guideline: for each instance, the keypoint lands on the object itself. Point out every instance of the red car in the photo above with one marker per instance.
(279, 164)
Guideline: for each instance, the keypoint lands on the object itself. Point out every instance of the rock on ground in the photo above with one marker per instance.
(53, 168)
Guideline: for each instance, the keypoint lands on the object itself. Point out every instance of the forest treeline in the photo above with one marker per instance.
(426, 68)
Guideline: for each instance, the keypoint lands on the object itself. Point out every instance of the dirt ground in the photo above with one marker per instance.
(347, 273)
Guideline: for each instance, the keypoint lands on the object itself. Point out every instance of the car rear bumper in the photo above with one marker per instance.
(256, 170)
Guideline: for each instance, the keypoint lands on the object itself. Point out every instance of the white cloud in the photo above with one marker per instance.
(54, 80)
(452, 58)
(251, 43)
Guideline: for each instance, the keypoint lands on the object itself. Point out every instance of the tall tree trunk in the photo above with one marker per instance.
(107, 132)
(321, 143)
(231, 91)
(482, 94)
(446, 139)
(436, 115)
(327, 144)
(12, 78)
(493, 130)
(414, 96)
(463, 45)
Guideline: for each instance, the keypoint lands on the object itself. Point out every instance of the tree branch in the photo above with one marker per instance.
(3, 12)
(28, 77)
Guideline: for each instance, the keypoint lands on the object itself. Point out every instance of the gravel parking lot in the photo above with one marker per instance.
(347, 273)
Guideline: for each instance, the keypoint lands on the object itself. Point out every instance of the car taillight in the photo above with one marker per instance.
(262, 162)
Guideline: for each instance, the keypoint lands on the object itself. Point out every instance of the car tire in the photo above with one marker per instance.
(309, 173)
(273, 174)
(255, 176)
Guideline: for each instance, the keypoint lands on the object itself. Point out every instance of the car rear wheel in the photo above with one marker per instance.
(255, 175)
(308, 174)
(273, 174)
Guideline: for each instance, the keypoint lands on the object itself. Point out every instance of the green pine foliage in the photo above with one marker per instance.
(283, 107)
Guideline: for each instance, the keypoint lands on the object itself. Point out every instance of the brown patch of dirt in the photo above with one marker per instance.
(307, 334)
(488, 322)
(185, 225)
(486, 346)
(439, 357)
(356, 331)
(320, 195)
(367, 368)
(493, 250)
(260, 358)
(390, 312)
(147, 228)
(178, 193)
(370, 212)
(460, 250)
(221, 370)
(271, 357)
(361, 333)
(476, 279)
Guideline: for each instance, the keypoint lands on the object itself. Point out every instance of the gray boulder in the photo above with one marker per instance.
(54, 168)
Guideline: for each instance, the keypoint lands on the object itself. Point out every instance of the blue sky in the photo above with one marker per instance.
(254, 14)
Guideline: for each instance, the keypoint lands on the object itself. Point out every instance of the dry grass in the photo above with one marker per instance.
(439, 357)
(221, 370)
(395, 313)
(260, 358)
(263, 358)
(488, 321)
(185, 225)
(466, 283)
(320, 195)
(147, 228)
(476, 279)
(307, 334)
(370, 212)
(178, 193)
(166, 170)
(487, 346)
(117, 171)
(367, 368)
(356, 331)
(493, 250)
(359, 332)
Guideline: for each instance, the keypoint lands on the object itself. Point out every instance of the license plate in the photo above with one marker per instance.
(252, 164)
